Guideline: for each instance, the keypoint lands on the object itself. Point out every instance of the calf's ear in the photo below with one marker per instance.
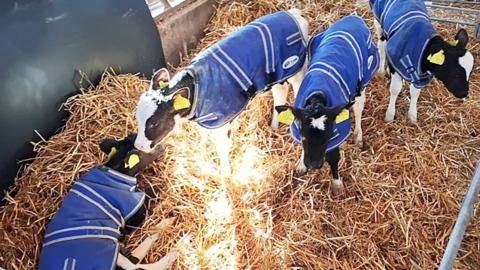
(462, 38)
(287, 114)
(160, 79)
(111, 146)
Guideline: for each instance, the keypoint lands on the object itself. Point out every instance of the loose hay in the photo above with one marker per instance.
(403, 190)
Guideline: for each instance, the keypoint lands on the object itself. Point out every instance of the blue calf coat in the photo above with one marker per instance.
(266, 51)
(84, 232)
(408, 30)
(342, 59)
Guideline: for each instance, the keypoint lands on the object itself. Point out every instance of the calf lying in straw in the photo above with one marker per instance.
(343, 59)
(416, 53)
(220, 81)
(84, 232)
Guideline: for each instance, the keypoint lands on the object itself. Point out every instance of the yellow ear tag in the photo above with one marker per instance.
(132, 161)
(344, 115)
(453, 42)
(181, 103)
(438, 58)
(286, 117)
(163, 84)
(112, 153)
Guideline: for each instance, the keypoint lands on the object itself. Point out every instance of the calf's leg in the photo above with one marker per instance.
(333, 158)
(279, 92)
(301, 167)
(395, 88)
(381, 47)
(357, 110)
(412, 110)
(223, 143)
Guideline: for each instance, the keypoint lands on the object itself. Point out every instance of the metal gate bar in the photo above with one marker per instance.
(462, 222)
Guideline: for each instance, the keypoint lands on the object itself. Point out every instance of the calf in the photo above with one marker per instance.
(343, 59)
(220, 81)
(84, 232)
(416, 53)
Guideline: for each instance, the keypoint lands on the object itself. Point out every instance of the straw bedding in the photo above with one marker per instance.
(403, 189)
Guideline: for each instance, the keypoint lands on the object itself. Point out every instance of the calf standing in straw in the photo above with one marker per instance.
(84, 232)
(342, 61)
(220, 81)
(416, 53)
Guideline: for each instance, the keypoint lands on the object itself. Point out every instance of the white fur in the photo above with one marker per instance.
(319, 123)
(301, 168)
(146, 107)
(412, 110)
(297, 79)
(381, 47)
(466, 62)
(358, 107)
(395, 87)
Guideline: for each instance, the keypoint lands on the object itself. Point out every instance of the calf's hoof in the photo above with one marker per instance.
(358, 140)
(301, 169)
(381, 73)
(389, 117)
(274, 125)
(412, 118)
(337, 187)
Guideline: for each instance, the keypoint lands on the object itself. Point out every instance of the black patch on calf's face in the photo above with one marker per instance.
(450, 73)
(314, 140)
(123, 150)
(160, 124)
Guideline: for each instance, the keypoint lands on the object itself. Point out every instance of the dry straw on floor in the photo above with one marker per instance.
(403, 189)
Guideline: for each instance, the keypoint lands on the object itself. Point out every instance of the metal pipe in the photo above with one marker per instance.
(455, 2)
(462, 222)
(452, 21)
(465, 10)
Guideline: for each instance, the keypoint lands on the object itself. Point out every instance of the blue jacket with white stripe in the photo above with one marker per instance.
(84, 232)
(342, 59)
(266, 51)
(408, 30)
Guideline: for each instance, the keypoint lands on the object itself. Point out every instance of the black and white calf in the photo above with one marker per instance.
(416, 53)
(220, 81)
(343, 59)
(84, 233)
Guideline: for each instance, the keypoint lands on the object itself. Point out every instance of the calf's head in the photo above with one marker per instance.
(158, 109)
(124, 158)
(316, 126)
(451, 63)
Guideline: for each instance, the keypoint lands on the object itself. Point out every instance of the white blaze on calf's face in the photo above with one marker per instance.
(466, 62)
(319, 123)
(147, 105)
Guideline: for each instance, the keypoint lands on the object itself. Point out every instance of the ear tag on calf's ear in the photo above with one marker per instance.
(133, 160)
(286, 117)
(112, 153)
(453, 42)
(342, 116)
(163, 84)
(437, 58)
(181, 103)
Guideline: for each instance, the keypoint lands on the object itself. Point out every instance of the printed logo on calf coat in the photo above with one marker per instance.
(290, 62)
